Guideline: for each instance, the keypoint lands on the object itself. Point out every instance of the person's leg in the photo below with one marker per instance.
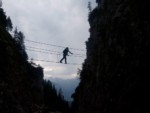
(65, 59)
(62, 59)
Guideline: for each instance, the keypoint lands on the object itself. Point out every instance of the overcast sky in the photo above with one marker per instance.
(57, 22)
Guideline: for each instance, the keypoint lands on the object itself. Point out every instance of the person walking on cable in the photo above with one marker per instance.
(65, 54)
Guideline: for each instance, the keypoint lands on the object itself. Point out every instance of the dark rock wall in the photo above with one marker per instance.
(115, 74)
(21, 89)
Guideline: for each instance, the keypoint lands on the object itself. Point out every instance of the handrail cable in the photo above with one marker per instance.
(52, 45)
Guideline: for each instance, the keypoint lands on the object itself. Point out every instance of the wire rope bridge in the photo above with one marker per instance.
(52, 52)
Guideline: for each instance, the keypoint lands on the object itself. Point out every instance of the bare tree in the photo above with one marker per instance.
(0, 3)
(89, 7)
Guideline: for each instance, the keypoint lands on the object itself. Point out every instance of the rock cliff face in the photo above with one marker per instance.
(21, 88)
(115, 73)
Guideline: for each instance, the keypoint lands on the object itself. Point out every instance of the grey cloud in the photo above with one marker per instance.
(58, 22)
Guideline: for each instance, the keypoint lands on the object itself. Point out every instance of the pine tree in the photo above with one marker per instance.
(19, 38)
(3, 18)
(89, 7)
(9, 26)
(60, 94)
(54, 101)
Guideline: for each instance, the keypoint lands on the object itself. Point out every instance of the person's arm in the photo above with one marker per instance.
(70, 52)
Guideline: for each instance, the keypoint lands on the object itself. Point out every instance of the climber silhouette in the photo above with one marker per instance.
(65, 54)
